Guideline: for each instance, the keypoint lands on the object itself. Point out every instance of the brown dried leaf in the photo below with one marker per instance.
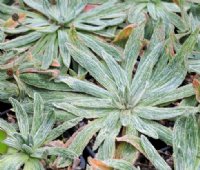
(124, 34)
(196, 85)
(57, 143)
(10, 23)
(89, 7)
(133, 140)
(53, 73)
(98, 164)
(55, 63)
(176, 2)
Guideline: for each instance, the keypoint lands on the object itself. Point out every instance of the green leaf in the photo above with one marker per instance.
(83, 137)
(14, 161)
(164, 133)
(107, 149)
(105, 15)
(94, 67)
(110, 123)
(144, 71)
(43, 82)
(156, 113)
(174, 19)
(12, 142)
(59, 130)
(20, 41)
(62, 152)
(44, 129)
(3, 135)
(125, 150)
(49, 52)
(143, 127)
(38, 113)
(33, 164)
(132, 49)
(86, 102)
(62, 39)
(165, 97)
(77, 111)
(97, 44)
(7, 90)
(153, 155)
(8, 128)
(22, 117)
(3, 147)
(84, 86)
(186, 142)
(188, 46)
(118, 74)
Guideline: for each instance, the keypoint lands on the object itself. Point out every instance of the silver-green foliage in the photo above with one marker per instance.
(45, 33)
(156, 9)
(128, 99)
(27, 142)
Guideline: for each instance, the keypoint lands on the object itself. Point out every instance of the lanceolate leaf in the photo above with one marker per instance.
(20, 41)
(187, 47)
(110, 164)
(56, 132)
(14, 161)
(33, 164)
(84, 86)
(82, 139)
(186, 142)
(22, 117)
(142, 127)
(43, 81)
(147, 149)
(165, 97)
(107, 149)
(153, 155)
(132, 49)
(44, 129)
(4, 125)
(93, 66)
(155, 113)
(38, 113)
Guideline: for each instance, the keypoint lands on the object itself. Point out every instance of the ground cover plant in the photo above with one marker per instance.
(99, 85)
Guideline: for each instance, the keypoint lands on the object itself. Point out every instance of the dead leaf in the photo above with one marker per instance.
(124, 34)
(133, 140)
(57, 143)
(98, 164)
(89, 7)
(55, 63)
(196, 85)
(53, 73)
(176, 2)
(10, 23)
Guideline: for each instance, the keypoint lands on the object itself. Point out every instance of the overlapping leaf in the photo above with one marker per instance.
(29, 142)
(46, 33)
(129, 100)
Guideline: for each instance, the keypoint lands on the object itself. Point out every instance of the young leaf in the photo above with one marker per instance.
(22, 117)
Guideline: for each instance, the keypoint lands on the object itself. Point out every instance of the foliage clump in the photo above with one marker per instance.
(111, 76)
